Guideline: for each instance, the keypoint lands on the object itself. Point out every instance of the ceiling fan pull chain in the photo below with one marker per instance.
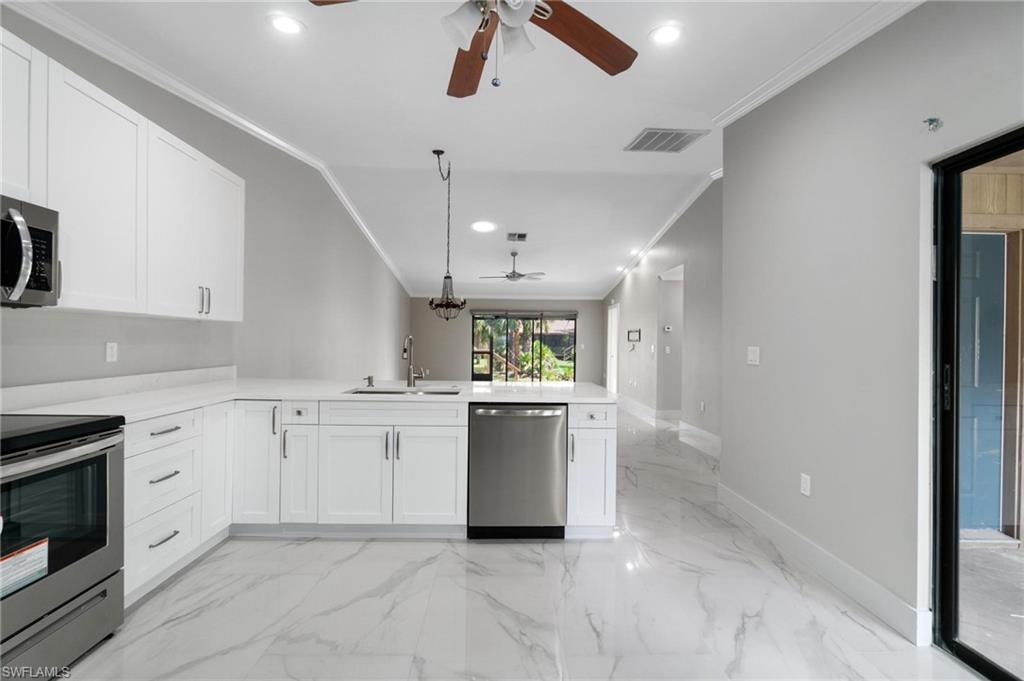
(496, 81)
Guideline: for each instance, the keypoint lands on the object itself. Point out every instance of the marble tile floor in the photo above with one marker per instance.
(685, 590)
(992, 603)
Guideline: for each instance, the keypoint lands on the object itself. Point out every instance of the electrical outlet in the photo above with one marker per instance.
(111, 352)
(805, 484)
(753, 355)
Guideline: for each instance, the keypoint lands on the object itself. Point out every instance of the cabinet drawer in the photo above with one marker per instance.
(388, 413)
(163, 430)
(158, 478)
(300, 413)
(592, 415)
(158, 541)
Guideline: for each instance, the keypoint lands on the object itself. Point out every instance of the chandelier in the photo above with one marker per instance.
(447, 307)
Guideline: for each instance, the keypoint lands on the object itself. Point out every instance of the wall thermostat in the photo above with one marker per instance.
(633, 336)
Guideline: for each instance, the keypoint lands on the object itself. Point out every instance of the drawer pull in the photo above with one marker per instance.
(165, 431)
(166, 539)
(155, 481)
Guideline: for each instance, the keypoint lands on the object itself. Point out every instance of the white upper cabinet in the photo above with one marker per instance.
(222, 242)
(430, 475)
(23, 114)
(97, 181)
(299, 474)
(355, 474)
(175, 176)
(591, 477)
(256, 493)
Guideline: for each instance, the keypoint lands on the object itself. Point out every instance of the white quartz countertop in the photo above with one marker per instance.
(137, 406)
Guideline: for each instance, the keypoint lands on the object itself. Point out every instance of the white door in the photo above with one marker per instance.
(612, 365)
(430, 475)
(218, 452)
(23, 115)
(299, 474)
(221, 244)
(97, 181)
(175, 172)
(355, 474)
(591, 477)
(256, 493)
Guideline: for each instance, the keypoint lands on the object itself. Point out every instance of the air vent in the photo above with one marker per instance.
(517, 236)
(664, 139)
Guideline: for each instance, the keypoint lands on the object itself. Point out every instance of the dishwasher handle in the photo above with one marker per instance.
(539, 413)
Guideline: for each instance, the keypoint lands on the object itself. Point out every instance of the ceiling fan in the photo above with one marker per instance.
(473, 25)
(515, 275)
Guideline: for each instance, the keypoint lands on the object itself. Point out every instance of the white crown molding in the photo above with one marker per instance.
(513, 296)
(678, 213)
(64, 24)
(867, 23)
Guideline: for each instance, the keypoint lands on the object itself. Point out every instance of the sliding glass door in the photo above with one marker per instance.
(979, 351)
(524, 346)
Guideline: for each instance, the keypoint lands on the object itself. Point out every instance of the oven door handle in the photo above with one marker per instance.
(61, 458)
(25, 238)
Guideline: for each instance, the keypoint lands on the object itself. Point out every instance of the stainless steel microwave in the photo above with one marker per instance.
(30, 268)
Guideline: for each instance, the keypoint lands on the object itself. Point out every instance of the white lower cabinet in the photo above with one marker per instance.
(156, 542)
(591, 477)
(256, 493)
(355, 474)
(299, 463)
(160, 477)
(218, 452)
(430, 476)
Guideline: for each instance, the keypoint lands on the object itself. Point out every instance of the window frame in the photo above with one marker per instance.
(538, 317)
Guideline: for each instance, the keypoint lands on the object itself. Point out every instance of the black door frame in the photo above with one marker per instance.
(947, 232)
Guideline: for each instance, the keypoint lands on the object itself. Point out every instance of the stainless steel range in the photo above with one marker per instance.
(61, 539)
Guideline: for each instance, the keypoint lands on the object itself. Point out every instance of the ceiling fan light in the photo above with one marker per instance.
(515, 40)
(515, 13)
(462, 24)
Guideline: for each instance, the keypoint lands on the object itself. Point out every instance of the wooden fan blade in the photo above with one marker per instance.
(586, 36)
(497, 276)
(469, 65)
(325, 3)
(534, 274)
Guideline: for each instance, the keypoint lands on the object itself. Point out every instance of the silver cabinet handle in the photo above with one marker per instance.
(284, 443)
(165, 431)
(387, 444)
(572, 447)
(518, 412)
(155, 481)
(25, 272)
(202, 299)
(398, 444)
(209, 299)
(273, 421)
(166, 539)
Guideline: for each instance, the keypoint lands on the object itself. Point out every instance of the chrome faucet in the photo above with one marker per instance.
(410, 373)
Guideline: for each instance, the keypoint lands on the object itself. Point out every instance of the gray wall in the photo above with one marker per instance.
(444, 347)
(646, 302)
(826, 268)
(318, 299)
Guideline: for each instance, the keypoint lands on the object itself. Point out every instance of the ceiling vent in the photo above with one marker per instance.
(664, 139)
(517, 236)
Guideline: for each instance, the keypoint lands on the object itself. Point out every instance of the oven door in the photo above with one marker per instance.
(63, 526)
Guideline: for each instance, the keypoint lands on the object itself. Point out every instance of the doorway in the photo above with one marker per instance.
(612, 343)
(979, 566)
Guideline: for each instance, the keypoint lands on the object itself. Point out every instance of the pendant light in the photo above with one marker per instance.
(447, 307)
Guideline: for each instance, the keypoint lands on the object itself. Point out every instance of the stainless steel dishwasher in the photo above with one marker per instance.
(517, 468)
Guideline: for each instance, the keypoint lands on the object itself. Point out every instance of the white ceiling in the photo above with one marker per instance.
(363, 90)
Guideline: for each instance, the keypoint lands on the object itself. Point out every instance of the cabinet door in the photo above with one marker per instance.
(218, 452)
(256, 493)
(97, 180)
(355, 474)
(23, 112)
(222, 242)
(174, 216)
(591, 477)
(430, 475)
(299, 474)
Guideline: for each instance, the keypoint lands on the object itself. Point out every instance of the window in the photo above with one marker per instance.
(524, 346)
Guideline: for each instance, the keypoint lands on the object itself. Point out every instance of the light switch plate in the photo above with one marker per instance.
(668, 349)
(753, 355)
(805, 484)
(111, 352)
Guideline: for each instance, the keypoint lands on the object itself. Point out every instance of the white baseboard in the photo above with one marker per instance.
(700, 439)
(670, 414)
(912, 623)
(638, 409)
(315, 530)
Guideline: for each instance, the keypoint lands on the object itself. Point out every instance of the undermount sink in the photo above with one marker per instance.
(404, 391)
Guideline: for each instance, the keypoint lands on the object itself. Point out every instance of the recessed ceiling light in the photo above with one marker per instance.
(665, 34)
(286, 24)
(635, 251)
(483, 226)
(620, 268)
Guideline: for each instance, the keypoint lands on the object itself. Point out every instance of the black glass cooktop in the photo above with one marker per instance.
(19, 432)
